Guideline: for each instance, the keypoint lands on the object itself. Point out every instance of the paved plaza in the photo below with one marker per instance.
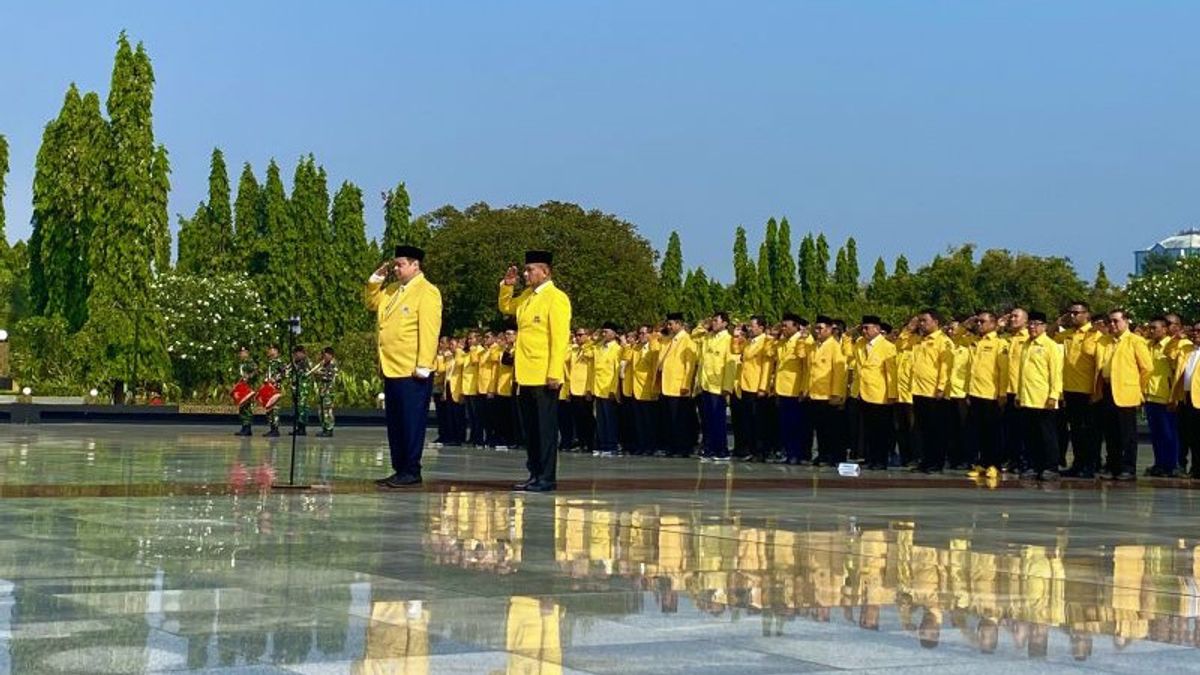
(156, 548)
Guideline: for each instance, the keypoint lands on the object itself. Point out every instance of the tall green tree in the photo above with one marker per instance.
(697, 295)
(746, 296)
(845, 274)
(807, 267)
(309, 247)
(353, 256)
(220, 215)
(670, 276)
(278, 246)
(787, 291)
(769, 273)
(250, 224)
(398, 224)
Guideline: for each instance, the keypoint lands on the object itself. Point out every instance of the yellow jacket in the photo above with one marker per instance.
(1125, 363)
(791, 367)
(960, 368)
(489, 362)
(827, 371)
(932, 360)
(1040, 379)
(644, 371)
(1016, 343)
(543, 331)
(454, 368)
(470, 375)
(904, 360)
(716, 374)
(989, 368)
(1079, 361)
(627, 355)
(1177, 389)
(677, 364)
(580, 368)
(606, 367)
(1162, 372)
(409, 319)
(875, 370)
(755, 375)
(505, 373)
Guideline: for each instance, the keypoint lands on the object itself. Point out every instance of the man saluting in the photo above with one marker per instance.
(543, 314)
(409, 315)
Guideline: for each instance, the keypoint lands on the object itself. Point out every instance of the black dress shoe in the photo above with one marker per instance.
(1048, 474)
(273, 433)
(541, 486)
(384, 481)
(525, 483)
(403, 481)
(1125, 476)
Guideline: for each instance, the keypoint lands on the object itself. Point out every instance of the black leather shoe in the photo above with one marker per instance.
(325, 434)
(523, 485)
(403, 481)
(541, 486)
(384, 481)
(273, 433)
(244, 431)
(1125, 476)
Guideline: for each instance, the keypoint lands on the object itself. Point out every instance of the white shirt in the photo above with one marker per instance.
(1190, 369)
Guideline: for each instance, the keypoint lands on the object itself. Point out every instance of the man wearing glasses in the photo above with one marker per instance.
(1079, 342)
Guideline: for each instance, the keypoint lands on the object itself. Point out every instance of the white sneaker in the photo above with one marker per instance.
(721, 459)
(595, 453)
(501, 448)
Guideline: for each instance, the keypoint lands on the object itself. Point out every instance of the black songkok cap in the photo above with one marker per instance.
(543, 257)
(870, 319)
(1037, 316)
(674, 316)
(793, 317)
(609, 325)
(885, 327)
(410, 252)
(821, 318)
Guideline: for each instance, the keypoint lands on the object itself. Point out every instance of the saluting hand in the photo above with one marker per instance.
(384, 268)
(510, 277)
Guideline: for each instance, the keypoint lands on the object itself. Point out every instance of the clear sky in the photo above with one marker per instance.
(1051, 127)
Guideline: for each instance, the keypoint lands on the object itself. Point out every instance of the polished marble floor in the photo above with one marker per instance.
(160, 549)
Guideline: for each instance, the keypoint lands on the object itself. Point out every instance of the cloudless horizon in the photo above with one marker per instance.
(1064, 128)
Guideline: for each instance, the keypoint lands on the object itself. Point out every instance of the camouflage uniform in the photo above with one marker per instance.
(276, 369)
(248, 371)
(326, 376)
(299, 384)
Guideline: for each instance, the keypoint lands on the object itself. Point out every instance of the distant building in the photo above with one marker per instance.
(1182, 245)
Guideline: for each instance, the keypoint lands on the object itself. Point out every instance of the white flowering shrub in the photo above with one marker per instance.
(1175, 290)
(206, 318)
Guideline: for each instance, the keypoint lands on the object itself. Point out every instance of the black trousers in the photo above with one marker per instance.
(983, 432)
(1083, 427)
(566, 425)
(1120, 436)
(855, 438)
(607, 425)
(1189, 435)
(878, 434)
(439, 405)
(515, 427)
(932, 420)
(406, 406)
(1014, 433)
(539, 415)
(476, 405)
(737, 417)
(679, 431)
(627, 423)
(750, 423)
(585, 422)
(906, 434)
(956, 439)
(502, 420)
(645, 414)
(830, 421)
(456, 422)
(1041, 438)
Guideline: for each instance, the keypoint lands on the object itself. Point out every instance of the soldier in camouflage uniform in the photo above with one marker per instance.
(326, 376)
(276, 368)
(247, 370)
(299, 383)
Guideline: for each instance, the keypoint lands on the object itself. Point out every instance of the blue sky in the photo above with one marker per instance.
(1051, 127)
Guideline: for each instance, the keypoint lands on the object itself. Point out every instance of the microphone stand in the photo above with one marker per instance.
(293, 331)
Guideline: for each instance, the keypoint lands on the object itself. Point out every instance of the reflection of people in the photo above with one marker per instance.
(397, 639)
(543, 314)
(409, 315)
(532, 640)
(248, 373)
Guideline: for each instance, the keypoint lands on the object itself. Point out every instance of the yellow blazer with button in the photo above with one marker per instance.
(677, 363)
(989, 368)
(1177, 392)
(791, 374)
(644, 371)
(471, 371)
(1040, 379)
(1162, 372)
(716, 376)
(755, 373)
(606, 365)
(543, 331)
(875, 370)
(827, 371)
(1125, 363)
(580, 369)
(1079, 361)
(409, 319)
(932, 361)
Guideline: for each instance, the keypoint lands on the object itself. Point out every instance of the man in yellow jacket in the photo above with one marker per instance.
(1039, 389)
(642, 371)
(1079, 387)
(791, 388)
(716, 383)
(932, 361)
(543, 313)
(408, 313)
(987, 391)
(827, 390)
(676, 370)
(1186, 394)
(606, 369)
(1160, 415)
(1124, 368)
(754, 378)
(875, 388)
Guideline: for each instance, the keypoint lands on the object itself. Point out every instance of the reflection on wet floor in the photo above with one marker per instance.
(204, 569)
